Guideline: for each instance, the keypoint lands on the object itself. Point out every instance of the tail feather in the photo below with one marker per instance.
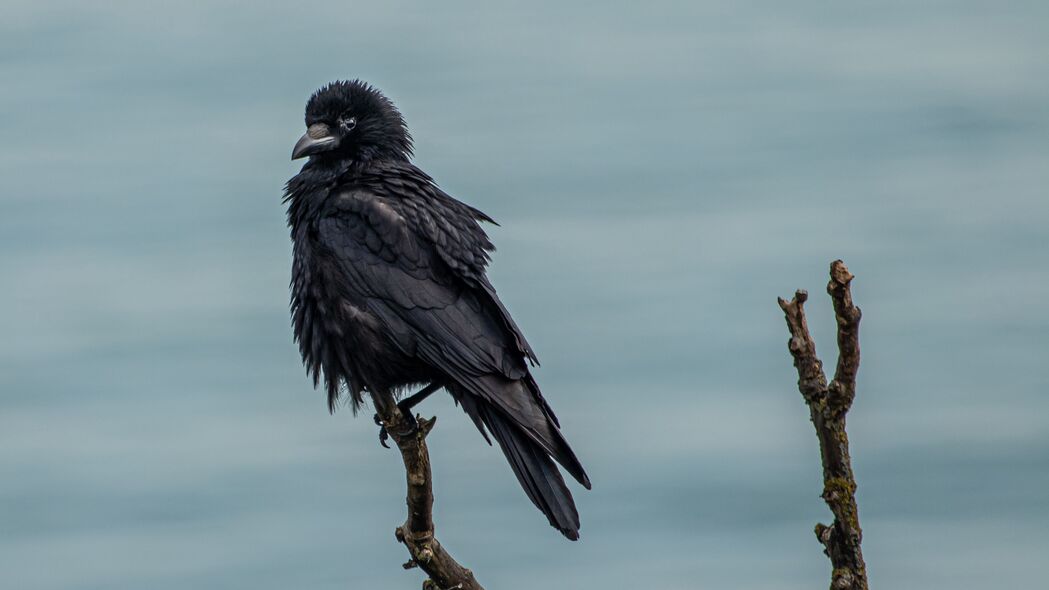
(528, 448)
(521, 403)
(536, 472)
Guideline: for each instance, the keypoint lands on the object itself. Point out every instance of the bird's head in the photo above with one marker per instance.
(352, 120)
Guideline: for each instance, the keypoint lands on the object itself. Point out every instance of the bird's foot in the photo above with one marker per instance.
(411, 424)
(383, 434)
(410, 427)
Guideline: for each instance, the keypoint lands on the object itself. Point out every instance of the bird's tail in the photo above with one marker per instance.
(528, 447)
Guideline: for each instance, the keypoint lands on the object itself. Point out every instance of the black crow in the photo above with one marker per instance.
(389, 292)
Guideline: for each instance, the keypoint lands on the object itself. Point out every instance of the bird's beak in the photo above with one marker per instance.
(318, 138)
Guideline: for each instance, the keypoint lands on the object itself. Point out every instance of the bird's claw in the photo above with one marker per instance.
(411, 426)
(383, 434)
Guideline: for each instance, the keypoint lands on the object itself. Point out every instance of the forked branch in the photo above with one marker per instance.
(828, 405)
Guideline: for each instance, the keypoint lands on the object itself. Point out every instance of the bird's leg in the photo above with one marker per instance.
(406, 404)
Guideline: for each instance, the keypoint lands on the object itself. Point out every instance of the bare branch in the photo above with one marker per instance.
(417, 533)
(828, 405)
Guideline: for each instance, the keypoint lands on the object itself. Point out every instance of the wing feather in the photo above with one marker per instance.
(405, 282)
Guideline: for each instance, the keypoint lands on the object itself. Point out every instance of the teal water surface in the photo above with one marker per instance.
(662, 172)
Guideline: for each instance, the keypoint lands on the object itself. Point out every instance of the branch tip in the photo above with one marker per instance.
(839, 273)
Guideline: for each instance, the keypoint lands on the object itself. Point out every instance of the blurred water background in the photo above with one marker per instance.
(662, 173)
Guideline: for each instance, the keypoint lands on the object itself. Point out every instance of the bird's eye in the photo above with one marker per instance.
(348, 122)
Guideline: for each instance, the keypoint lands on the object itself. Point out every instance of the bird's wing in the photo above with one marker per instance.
(433, 314)
(452, 228)
(405, 277)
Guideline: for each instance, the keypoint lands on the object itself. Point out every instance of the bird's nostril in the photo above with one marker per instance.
(317, 131)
